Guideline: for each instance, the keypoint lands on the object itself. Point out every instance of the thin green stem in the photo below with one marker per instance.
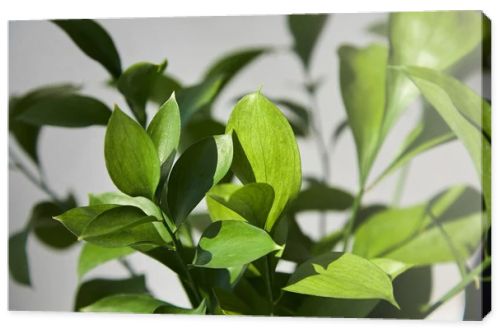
(128, 266)
(471, 276)
(398, 193)
(350, 224)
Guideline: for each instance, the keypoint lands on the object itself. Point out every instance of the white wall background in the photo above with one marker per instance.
(39, 54)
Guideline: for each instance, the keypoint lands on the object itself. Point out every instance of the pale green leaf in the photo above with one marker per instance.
(341, 275)
(198, 169)
(165, 129)
(232, 243)
(125, 303)
(391, 267)
(131, 157)
(266, 151)
(92, 256)
(217, 210)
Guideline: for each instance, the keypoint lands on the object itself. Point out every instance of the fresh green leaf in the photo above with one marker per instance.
(306, 30)
(198, 169)
(468, 116)
(265, 152)
(321, 197)
(362, 76)
(165, 129)
(18, 258)
(136, 84)
(91, 291)
(391, 267)
(341, 275)
(126, 303)
(131, 157)
(67, 110)
(146, 205)
(94, 41)
(251, 201)
(77, 219)
(216, 209)
(92, 256)
(232, 243)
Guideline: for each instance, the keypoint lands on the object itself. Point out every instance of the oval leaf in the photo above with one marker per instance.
(131, 157)
(341, 275)
(232, 243)
(92, 256)
(265, 150)
(305, 30)
(198, 169)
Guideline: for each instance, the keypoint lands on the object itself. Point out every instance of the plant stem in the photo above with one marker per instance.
(428, 309)
(178, 253)
(350, 224)
(127, 266)
(403, 175)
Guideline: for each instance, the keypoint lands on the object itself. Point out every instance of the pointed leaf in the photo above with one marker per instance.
(131, 157)
(92, 256)
(306, 30)
(77, 219)
(146, 205)
(94, 41)
(136, 84)
(266, 151)
(47, 229)
(341, 275)
(320, 197)
(216, 209)
(232, 243)
(362, 77)
(165, 129)
(198, 169)
(194, 98)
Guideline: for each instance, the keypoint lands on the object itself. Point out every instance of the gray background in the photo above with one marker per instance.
(39, 54)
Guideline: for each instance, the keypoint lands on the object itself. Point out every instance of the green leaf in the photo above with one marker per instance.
(146, 205)
(432, 247)
(198, 169)
(298, 245)
(199, 128)
(341, 275)
(306, 30)
(136, 84)
(391, 267)
(131, 157)
(92, 256)
(94, 41)
(163, 87)
(18, 258)
(336, 308)
(265, 152)
(67, 110)
(232, 243)
(216, 209)
(231, 64)
(468, 116)
(125, 303)
(321, 197)
(251, 201)
(172, 309)
(91, 291)
(165, 129)
(48, 230)
(362, 78)
(194, 98)
(430, 39)
(75, 220)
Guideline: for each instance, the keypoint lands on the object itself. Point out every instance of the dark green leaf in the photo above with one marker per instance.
(163, 87)
(341, 275)
(198, 169)
(232, 243)
(131, 157)
(92, 256)
(136, 84)
(306, 30)
(68, 110)
(18, 258)
(320, 197)
(172, 309)
(48, 230)
(194, 98)
(265, 152)
(165, 129)
(94, 41)
(298, 245)
(362, 78)
(199, 128)
(91, 291)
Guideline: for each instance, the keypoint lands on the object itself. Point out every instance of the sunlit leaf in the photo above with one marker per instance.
(216, 209)
(391, 267)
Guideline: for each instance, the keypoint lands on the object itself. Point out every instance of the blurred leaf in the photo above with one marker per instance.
(231, 64)
(341, 275)
(391, 267)
(321, 197)
(297, 115)
(232, 243)
(92, 256)
(266, 152)
(298, 245)
(251, 201)
(18, 257)
(131, 157)
(125, 303)
(163, 87)
(91, 291)
(136, 84)
(306, 29)
(198, 169)
(67, 110)
(466, 113)
(165, 129)
(379, 28)
(430, 39)
(336, 308)
(94, 41)
(339, 130)
(362, 78)
(48, 230)
(27, 138)
(193, 99)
